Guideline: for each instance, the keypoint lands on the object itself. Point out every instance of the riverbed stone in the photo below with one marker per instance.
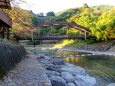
(41, 57)
(44, 61)
(74, 70)
(112, 84)
(52, 73)
(71, 84)
(67, 76)
(59, 62)
(58, 81)
(78, 83)
(52, 67)
(85, 80)
(47, 57)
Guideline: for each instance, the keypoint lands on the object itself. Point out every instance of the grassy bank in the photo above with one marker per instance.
(10, 55)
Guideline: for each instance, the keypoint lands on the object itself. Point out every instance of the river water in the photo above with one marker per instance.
(102, 67)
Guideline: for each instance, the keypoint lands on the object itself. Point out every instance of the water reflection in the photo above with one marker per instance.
(96, 65)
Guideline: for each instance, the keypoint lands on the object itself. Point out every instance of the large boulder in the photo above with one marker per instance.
(67, 76)
(58, 81)
(74, 70)
(59, 62)
(85, 80)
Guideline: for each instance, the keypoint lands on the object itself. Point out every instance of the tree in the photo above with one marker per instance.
(50, 13)
(21, 21)
(101, 24)
(85, 5)
(35, 20)
(41, 14)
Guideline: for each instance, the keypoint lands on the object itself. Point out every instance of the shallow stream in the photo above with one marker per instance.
(102, 67)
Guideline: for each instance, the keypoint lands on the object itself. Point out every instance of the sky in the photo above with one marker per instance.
(38, 6)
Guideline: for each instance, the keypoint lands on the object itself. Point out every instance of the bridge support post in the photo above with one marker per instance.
(32, 35)
(85, 36)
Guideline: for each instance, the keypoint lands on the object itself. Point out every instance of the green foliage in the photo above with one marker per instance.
(34, 42)
(41, 14)
(102, 25)
(85, 5)
(50, 14)
(35, 20)
(87, 41)
(2, 72)
(66, 14)
(100, 20)
(22, 20)
(102, 7)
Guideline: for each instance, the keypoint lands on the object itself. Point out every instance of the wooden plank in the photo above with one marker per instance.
(5, 18)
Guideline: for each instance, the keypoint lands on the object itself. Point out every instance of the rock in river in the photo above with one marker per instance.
(52, 73)
(74, 70)
(52, 67)
(59, 62)
(58, 81)
(67, 76)
(85, 80)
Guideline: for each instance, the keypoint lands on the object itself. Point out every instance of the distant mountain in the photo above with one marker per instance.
(98, 7)
(102, 7)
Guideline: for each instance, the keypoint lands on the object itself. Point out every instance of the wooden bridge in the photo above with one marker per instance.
(66, 24)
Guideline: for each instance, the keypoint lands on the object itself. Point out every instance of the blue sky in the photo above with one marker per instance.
(45, 6)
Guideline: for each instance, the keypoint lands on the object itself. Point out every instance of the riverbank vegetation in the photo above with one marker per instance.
(100, 20)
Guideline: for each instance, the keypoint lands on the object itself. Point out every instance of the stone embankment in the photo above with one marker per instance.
(106, 49)
(10, 55)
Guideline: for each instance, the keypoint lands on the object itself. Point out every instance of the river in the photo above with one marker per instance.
(102, 67)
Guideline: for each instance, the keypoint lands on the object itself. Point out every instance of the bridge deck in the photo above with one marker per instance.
(56, 38)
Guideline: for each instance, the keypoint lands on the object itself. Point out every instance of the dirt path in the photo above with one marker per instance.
(28, 72)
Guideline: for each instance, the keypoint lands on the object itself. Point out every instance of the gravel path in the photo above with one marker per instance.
(28, 72)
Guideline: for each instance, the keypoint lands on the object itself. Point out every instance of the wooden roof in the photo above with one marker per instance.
(5, 19)
(5, 4)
